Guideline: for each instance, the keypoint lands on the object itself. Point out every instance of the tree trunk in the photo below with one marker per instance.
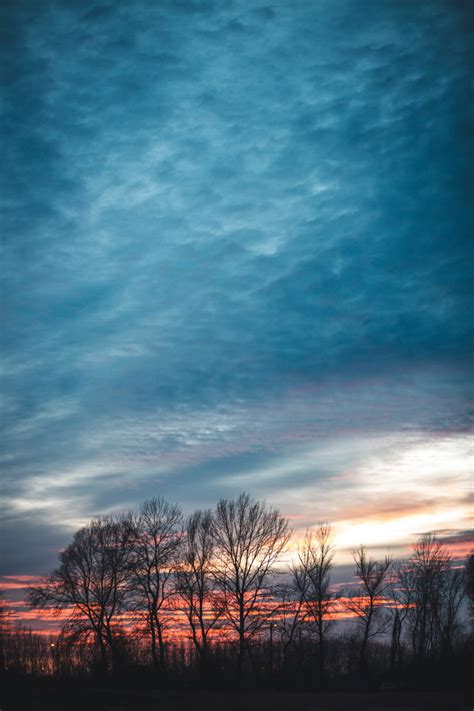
(154, 650)
(241, 652)
(322, 663)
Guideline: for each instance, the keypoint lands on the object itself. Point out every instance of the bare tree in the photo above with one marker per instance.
(421, 580)
(431, 592)
(451, 598)
(295, 612)
(469, 584)
(315, 563)
(156, 556)
(367, 601)
(401, 593)
(91, 584)
(250, 537)
(5, 629)
(195, 580)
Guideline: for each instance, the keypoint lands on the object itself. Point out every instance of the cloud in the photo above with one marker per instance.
(230, 233)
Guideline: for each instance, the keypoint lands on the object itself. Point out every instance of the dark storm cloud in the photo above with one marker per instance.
(210, 209)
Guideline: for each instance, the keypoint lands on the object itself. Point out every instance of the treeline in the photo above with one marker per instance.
(207, 600)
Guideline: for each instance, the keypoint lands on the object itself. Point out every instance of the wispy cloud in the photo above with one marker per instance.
(236, 245)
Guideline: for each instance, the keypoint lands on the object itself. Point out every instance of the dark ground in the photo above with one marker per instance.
(43, 698)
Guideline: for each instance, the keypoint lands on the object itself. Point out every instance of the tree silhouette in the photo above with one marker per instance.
(250, 537)
(218, 572)
(195, 580)
(312, 578)
(91, 584)
(431, 593)
(5, 630)
(469, 584)
(156, 556)
(366, 602)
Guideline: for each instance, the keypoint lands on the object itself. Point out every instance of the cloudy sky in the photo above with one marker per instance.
(236, 257)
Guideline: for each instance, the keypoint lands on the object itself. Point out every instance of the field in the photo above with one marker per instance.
(54, 699)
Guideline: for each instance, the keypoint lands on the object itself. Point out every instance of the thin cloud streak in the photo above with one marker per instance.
(236, 256)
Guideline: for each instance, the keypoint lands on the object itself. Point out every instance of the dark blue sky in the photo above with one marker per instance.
(235, 247)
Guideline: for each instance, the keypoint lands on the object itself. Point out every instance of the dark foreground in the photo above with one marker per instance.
(49, 698)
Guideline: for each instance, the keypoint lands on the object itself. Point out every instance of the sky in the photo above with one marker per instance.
(236, 257)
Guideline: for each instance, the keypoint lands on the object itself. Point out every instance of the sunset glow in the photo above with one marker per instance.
(236, 253)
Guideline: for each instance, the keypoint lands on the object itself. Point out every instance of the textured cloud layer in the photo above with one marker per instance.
(236, 253)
